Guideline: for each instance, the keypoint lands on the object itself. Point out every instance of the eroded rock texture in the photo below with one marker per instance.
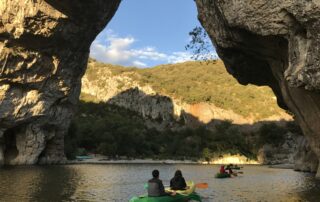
(274, 43)
(44, 47)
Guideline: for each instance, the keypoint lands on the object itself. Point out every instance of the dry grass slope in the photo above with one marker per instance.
(195, 82)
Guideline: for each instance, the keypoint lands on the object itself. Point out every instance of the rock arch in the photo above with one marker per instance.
(44, 47)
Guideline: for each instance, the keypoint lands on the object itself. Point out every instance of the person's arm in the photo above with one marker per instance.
(184, 182)
(161, 187)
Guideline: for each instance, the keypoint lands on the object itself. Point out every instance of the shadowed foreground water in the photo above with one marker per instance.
(121, 182)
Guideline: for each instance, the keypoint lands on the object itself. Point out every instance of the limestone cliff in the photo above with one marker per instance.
(274, 43)
(127, 88)
(44, 47)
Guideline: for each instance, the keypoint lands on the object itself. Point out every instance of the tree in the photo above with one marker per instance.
(200, 45)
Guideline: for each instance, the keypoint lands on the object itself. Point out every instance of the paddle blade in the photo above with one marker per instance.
(202, 185)
(240, 172)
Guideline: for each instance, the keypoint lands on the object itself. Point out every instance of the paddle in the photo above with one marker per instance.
(202, 185)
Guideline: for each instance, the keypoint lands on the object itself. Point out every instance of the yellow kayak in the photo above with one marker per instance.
(191, 188)
(181, 195)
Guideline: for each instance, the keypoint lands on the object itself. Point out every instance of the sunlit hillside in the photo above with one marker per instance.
(195, 82)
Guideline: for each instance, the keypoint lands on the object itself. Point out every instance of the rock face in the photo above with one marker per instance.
(44, 47)
(305, 159)
(274, 43)
(285, 153)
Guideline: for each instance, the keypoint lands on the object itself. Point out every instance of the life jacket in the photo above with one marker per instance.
(155, 188)
(222, 170)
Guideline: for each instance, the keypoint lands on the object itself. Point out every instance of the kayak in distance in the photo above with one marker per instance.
(222, 175)
(181, 195)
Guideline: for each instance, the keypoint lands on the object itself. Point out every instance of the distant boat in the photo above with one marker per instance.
(81, 158)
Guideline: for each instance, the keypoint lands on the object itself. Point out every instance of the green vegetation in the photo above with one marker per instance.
(113, 131)
(271, 134)
(200, 45)
(195, 82)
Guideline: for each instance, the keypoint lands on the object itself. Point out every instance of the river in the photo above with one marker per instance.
(121, 182)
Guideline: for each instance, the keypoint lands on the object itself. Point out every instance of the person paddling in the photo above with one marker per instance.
(230, 171)
(222, 170)
(178, 182)
(155, 186)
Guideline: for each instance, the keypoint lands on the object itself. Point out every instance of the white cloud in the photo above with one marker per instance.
(110, 48)
(117, 50)
(178, 57)
(137, 63)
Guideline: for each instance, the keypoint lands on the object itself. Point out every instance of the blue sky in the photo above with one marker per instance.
(146, 33)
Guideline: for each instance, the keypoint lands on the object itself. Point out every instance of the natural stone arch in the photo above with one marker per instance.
(45, 46)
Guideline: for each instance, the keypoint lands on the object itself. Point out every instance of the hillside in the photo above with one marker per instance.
(191, 110)
(190, 82)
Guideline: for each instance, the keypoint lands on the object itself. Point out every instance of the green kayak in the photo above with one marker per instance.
(184, 195)
(222, 175)
(177, 198)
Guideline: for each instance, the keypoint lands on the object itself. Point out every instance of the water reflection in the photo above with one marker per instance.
(32, 183)
(120, 182)
(56, 183)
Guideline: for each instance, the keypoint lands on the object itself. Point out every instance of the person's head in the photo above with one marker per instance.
(155, 173)
(178, 173)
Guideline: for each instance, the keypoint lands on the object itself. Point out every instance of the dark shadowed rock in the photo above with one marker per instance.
(44, 47)
(274, 43)
(305, 159)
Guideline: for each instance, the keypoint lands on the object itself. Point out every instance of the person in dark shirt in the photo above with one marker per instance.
(230, 171)
(155, 186)
(178, 182)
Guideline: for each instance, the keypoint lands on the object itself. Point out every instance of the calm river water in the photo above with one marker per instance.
(121, 182)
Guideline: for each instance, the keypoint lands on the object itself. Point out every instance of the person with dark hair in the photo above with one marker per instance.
(230, 171)
(155, 186)
(178, 182)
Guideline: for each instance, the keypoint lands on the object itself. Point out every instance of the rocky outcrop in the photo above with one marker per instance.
(305, 159)
(274, 43)
(285, 153)
(44, 47)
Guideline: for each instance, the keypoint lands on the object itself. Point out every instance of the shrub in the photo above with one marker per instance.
(271, 134)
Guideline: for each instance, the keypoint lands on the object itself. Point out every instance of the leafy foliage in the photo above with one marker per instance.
(200, 45)
(271, 134)
(113, 131)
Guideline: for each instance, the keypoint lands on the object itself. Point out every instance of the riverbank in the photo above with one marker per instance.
(97, 160)
(282, 166)
(100, 159)
(133, 161)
